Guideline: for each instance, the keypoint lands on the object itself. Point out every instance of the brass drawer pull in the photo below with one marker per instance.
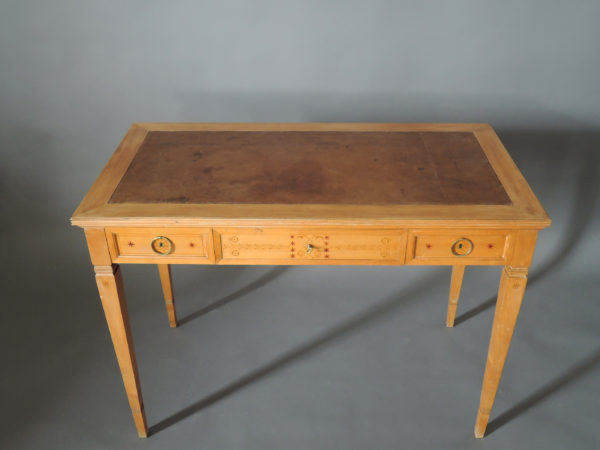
(162, 245)
(462, 247)
(309, 248)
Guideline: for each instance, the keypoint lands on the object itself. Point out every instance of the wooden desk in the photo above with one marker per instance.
(314, 193)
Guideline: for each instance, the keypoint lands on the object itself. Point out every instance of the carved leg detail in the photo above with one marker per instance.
(164, 270)
(455, 285)
(510, 296)
(110, 287)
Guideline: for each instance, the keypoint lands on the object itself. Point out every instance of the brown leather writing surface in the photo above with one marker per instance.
(310, 167)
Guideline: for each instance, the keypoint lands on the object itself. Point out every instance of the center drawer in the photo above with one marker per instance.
(309, 246)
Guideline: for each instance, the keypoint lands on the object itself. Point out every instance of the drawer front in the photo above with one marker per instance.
(160, 245)
(457, 247)
(309, 246)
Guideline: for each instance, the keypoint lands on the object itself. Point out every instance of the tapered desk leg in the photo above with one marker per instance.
(110, 287)
(510, 295)
(164, 270)
(455, 285)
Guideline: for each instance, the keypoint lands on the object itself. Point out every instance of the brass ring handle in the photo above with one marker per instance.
(462, 247)
(309, 248)
(162, 245)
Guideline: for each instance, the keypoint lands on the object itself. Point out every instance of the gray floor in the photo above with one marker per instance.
(310, 357)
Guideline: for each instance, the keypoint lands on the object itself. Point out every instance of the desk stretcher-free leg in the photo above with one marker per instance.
(164, 270)
(510, 296)
(455, 285)
(112, 295)
(110, 287)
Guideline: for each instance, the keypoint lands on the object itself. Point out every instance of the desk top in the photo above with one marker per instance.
(170, 174)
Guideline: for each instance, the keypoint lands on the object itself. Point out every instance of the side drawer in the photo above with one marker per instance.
(450, 247)
(309, 246)
(161, 245)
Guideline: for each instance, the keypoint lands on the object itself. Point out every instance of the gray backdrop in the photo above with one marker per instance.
(302, 357)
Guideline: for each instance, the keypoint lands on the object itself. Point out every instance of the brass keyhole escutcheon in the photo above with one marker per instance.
(162, 245)
(462, 247)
